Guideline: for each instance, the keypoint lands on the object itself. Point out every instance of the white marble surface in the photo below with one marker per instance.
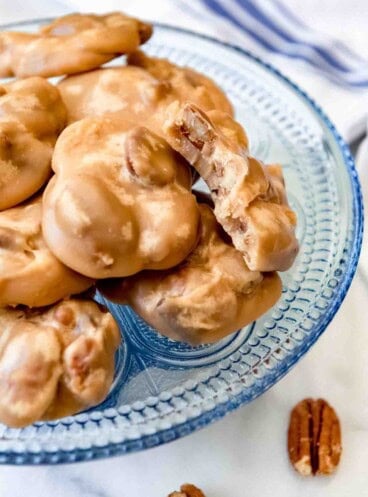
(245, 453)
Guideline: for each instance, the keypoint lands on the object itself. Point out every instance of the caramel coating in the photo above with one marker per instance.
(70, 44)
(185, 84)
(209, 295)
(56, 361)
(139, 92)
(250, 201)
(131, 91)
(32, 115)
(29, 273)
(119, 202)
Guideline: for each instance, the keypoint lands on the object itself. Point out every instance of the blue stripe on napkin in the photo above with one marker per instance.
(274, 27)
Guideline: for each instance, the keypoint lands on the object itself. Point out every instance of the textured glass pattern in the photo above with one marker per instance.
(164, 390)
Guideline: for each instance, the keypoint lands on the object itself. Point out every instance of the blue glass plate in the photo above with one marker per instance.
(164, 390)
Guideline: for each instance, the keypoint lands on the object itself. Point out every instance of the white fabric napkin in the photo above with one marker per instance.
(21, 10)
(245, 454)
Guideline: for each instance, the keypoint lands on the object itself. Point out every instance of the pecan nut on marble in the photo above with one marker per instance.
(188, 490)
(314, 438)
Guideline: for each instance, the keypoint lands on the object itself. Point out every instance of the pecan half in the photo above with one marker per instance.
(188, 490)
(314, 438)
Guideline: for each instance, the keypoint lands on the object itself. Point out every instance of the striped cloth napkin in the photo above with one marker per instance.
(335, 75)
(275, 27)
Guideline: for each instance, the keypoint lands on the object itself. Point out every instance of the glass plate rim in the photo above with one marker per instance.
(243, 397)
